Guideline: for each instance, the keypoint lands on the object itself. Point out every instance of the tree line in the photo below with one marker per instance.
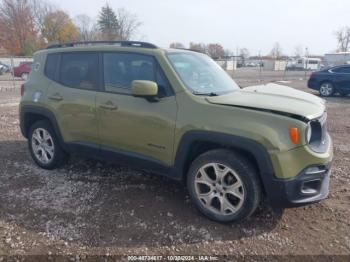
(29, 25)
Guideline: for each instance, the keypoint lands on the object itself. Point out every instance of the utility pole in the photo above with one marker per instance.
(307, 61)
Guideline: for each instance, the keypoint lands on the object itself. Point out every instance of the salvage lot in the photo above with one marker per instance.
(89, 207)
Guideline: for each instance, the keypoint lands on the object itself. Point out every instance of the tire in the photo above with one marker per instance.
(240, 189)
(326, 89)
(24, 76)
(45, 148)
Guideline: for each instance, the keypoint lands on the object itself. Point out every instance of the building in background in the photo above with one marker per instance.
(229, 63)
(333, 59)
(274, 65)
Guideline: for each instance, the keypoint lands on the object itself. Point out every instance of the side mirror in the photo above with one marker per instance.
(144, 88)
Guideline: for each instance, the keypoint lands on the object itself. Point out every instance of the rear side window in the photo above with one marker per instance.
(51, 66)
(79, 70)
(342, 70)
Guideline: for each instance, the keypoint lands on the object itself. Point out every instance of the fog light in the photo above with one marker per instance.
(315, 170)
(311, 187)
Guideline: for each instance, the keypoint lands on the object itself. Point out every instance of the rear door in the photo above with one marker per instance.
(134, 125)
(342, 77)
(72, 96)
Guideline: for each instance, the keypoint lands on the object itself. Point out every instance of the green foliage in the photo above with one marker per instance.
(108, 23)
(29, 47)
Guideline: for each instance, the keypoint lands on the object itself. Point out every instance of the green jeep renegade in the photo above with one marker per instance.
(177, 113)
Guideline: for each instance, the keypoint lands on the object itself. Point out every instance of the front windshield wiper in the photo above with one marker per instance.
(204, 94)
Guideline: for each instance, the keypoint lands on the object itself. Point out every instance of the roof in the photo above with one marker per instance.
(125, 46)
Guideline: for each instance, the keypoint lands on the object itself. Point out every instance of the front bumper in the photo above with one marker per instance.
(301, 176)
(309, 186)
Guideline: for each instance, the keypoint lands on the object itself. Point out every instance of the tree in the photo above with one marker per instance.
(199, 47)
(343, 38)
(276, 51)
(215, 51)
(128, 24)
(88, 29)
(119, 25)
(244, 54)
(16, 26)
(40, 9)
(177, 45)
(298, 51)
(59, 27)
(108, 23)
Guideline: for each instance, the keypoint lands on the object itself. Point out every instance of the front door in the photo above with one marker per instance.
(133, 125)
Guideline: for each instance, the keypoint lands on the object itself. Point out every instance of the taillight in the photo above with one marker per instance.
(22, 89)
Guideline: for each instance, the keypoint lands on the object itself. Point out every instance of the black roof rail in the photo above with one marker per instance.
(121, 43)
(188, 49)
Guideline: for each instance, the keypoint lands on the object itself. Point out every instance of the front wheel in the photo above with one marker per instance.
(326, 89)
(44, 146)
(224, 186)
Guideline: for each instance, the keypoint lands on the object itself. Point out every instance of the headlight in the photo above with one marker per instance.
(314, 132)
(308, 133)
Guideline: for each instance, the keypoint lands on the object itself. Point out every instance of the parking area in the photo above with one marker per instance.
(89, 207)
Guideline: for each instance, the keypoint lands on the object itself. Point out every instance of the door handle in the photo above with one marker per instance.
(56, 97)
(109, 105)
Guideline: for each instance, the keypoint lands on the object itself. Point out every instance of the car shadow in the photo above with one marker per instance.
(98, 204)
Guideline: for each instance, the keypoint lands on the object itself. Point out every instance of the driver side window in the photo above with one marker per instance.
(120, 69)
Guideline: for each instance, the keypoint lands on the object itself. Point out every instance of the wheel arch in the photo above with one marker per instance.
(194, 143)
(31, 114)
(327, 81)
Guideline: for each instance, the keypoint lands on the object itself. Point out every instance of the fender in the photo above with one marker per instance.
(38, 110)
(254, 148)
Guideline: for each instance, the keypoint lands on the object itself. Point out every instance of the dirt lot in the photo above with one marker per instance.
(88, 207)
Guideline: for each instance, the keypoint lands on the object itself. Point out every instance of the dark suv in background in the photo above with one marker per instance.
(331, 80)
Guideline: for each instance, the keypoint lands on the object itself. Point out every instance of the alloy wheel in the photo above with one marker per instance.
(326, 89)
(43, 146)
(219, 189)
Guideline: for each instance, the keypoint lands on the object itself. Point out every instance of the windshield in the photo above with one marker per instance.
(201, 74)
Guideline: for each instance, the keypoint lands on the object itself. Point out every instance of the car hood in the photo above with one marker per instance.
(276, 98)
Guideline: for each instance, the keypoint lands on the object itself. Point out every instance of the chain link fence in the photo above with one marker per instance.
(11, 73)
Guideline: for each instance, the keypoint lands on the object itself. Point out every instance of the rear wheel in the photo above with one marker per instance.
(326, 89)
(44, 146)
(224, 186)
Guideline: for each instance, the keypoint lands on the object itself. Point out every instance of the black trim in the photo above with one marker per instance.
(121, 157)
(121, 43)
(27, 110)
(257, 150)
(288, 192)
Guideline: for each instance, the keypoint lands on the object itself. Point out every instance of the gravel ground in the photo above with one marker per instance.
(93, 208)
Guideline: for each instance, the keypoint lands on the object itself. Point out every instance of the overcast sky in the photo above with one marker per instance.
(254, 24)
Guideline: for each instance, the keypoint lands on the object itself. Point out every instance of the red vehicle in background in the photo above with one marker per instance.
(23, 70)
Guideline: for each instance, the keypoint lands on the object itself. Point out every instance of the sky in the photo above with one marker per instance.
(253, 24)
